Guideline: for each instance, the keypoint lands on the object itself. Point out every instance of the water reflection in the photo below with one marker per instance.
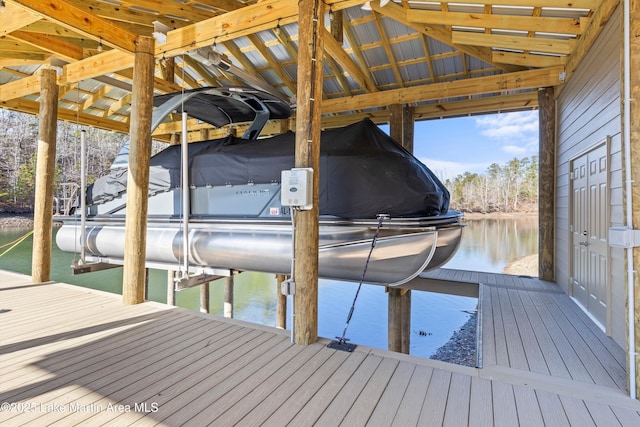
(490, 244)
(487, 245)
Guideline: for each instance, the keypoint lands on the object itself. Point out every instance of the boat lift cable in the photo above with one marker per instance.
(341, 342)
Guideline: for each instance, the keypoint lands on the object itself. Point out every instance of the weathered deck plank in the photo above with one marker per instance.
(481, 402)
(410, 408)
(385, 412)
(457, 410)
(194, 369)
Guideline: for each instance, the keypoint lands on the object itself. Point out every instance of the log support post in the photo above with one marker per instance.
(309, 93)
(546, 184)
(171, 287)
(401, 129)
(138, 174)
(45, 171)
(204, 298)
(281, 303)
(399, 311)
(228, 297)
(401, 125)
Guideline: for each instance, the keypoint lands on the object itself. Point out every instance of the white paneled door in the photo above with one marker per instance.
(589, 202)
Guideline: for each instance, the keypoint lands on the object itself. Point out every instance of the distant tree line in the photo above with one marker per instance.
(502, 188)
(18, 150)
(511, 187)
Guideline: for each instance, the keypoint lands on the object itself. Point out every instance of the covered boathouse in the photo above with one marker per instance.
(100, 63)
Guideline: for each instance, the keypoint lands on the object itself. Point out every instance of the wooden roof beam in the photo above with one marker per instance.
(14, 18)
(387, 49)
(28, 59)
(59, 48)
(517, 102)
(247, 20)
(19, 88)
(439, 33)
(361, 64)
(275, 66)
(559, 4)
(598, 20)
(33, 107)
(98, 65)
(536, 44)
(335, 51)
(503, 22)
(530, 79)
(79, 20)
(529, 60)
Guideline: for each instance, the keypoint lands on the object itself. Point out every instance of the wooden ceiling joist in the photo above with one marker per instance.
(76, 19)
(33, 107)
(439, 33)
(556, 4)
(537, 44)
(66, 51)
(248, 20)
(529, 60)
(503, 22)
(445, 58)
(14, 18)
(335, 51)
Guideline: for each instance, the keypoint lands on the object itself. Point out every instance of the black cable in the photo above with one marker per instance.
(381, 217)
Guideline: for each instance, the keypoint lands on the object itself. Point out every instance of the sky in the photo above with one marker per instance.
(450, 147)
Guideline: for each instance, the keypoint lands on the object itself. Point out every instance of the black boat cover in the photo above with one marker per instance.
(363, 172)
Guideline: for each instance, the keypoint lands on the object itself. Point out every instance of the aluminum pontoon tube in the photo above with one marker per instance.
(401, 252)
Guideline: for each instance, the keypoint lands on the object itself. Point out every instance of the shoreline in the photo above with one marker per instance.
(8, 220)
(496, 215)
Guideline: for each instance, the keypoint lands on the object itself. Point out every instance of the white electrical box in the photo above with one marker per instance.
(297, 188)
(623, 237)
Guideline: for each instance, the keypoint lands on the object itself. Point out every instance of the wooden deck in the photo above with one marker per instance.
(73, 356)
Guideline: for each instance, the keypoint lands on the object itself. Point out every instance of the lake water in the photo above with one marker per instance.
(487, 245)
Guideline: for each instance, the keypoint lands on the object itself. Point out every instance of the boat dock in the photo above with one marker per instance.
(75, 356)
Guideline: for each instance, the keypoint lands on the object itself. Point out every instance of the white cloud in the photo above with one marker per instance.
(515, 133)
(514, 149)
(445, 169)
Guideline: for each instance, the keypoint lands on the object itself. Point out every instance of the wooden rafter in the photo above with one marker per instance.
(558, 4)
(387, 48)
(202, 71)
(335, 51)
(14, 18)
(246, 21)
(598, 20)
(273, 63)
(503, 22)
(537, 34)
(362, 66)
(436, 32)
(32, 107)
(523, 43)
(528, 60)
(58, 47)
(91, 26)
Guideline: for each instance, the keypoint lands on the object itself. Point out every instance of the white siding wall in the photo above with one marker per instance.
(589, 111)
